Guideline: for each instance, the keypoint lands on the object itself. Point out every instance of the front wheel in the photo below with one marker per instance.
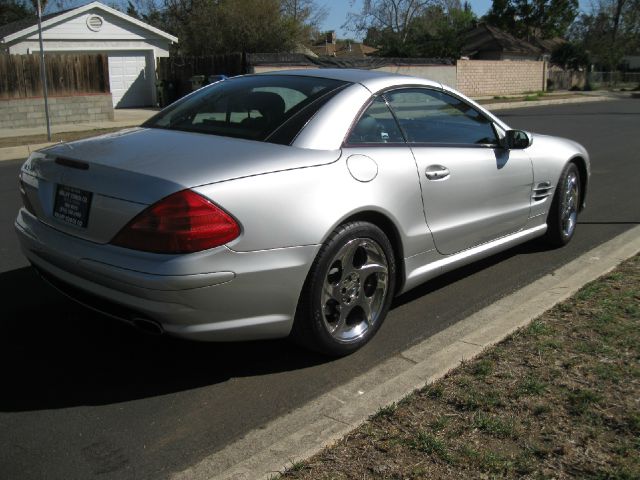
(563, 214)
(348, 290)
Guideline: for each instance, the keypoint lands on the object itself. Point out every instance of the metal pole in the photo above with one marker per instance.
(43, 73)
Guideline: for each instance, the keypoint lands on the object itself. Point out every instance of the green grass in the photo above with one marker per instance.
(531, 385)
(434, 391)
(538, 329)
(534, 96)
(439, 424)
(494, 425)
(580, 400)
(385, 412)
(427, 443)
(483, 367)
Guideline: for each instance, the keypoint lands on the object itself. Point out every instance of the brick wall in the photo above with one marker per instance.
(29, 112)
(491, 77)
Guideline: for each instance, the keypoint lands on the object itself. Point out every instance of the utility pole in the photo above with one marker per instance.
(43, 73)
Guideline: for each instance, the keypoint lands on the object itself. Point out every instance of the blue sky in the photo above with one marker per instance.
(338, 10)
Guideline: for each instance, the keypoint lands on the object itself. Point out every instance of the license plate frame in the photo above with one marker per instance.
(72, 206)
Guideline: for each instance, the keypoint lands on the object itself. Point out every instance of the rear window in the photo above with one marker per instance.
(253, 107)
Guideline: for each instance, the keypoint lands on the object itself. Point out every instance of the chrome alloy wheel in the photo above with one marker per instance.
(354, 289)
(569, 214)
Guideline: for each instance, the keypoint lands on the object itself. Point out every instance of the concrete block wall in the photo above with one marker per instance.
(475, 78)
(499, 77)
(29, 112)
(445, 74)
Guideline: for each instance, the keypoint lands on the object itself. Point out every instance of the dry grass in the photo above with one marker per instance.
(559, 399)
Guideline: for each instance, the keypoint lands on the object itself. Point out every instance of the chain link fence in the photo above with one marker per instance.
(614, 79)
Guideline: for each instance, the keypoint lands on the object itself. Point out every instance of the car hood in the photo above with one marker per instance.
(173, 160)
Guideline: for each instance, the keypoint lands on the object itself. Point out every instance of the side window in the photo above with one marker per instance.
(376, 125)
(430, 116)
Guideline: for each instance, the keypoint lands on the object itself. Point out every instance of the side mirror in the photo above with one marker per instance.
(516, 140)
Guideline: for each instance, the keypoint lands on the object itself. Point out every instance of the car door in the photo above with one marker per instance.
(381, 162)
(473, 191)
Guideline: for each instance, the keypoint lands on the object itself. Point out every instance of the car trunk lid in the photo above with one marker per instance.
(92, 188)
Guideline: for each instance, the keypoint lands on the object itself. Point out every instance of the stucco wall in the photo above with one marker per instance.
(29, 112)
(488, 77)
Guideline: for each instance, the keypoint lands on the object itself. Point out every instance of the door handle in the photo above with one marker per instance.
(437, 172)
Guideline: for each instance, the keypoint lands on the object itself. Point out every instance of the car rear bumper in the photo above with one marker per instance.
(219, 295)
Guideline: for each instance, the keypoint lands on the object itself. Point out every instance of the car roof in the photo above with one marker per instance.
(371, 80)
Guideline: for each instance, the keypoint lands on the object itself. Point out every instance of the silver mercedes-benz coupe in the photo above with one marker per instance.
(293, 203)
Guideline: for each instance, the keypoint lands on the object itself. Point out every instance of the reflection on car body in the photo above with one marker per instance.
(291, 204)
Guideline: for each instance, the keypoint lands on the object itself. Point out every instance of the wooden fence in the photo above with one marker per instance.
(67, 74)
(175, 72)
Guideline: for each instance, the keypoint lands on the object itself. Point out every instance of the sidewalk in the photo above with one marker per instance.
(134, 117)
(122, 119)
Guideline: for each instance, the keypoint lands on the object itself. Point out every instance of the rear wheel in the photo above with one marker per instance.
(563, 214)
(348, 291)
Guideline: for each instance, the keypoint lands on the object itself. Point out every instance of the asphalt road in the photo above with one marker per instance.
(85, 397)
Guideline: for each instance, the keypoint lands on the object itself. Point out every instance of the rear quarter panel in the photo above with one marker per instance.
(303, 206)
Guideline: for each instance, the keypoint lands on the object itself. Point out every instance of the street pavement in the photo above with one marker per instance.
(85, 397)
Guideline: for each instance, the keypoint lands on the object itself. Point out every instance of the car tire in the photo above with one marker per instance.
(348, 291)
(563, 214)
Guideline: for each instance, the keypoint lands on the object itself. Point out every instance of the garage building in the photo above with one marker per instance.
(131, 45)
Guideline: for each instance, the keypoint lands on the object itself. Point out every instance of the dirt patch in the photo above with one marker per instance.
(558, 399)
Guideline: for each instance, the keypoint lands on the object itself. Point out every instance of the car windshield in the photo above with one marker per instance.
(251, 107)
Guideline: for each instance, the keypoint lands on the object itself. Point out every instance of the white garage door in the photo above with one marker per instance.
(130, 79)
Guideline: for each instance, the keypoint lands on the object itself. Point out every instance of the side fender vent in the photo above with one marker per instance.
(541, 191)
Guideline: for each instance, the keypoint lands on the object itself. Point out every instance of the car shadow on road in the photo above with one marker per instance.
(58, 354)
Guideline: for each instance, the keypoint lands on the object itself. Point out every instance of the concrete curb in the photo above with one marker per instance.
(264, 452)
(540, 103)
(23, 151)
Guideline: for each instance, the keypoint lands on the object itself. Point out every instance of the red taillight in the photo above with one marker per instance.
(25, 199)
(184, 222)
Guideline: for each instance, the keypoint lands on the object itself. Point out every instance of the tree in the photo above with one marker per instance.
(14, 10)
(207, 27)
(533, 18)
(609, 31)
(439, 32)
(149, 11)
(387, 23)
(436, 32)
(305, 18)
(570, 55)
